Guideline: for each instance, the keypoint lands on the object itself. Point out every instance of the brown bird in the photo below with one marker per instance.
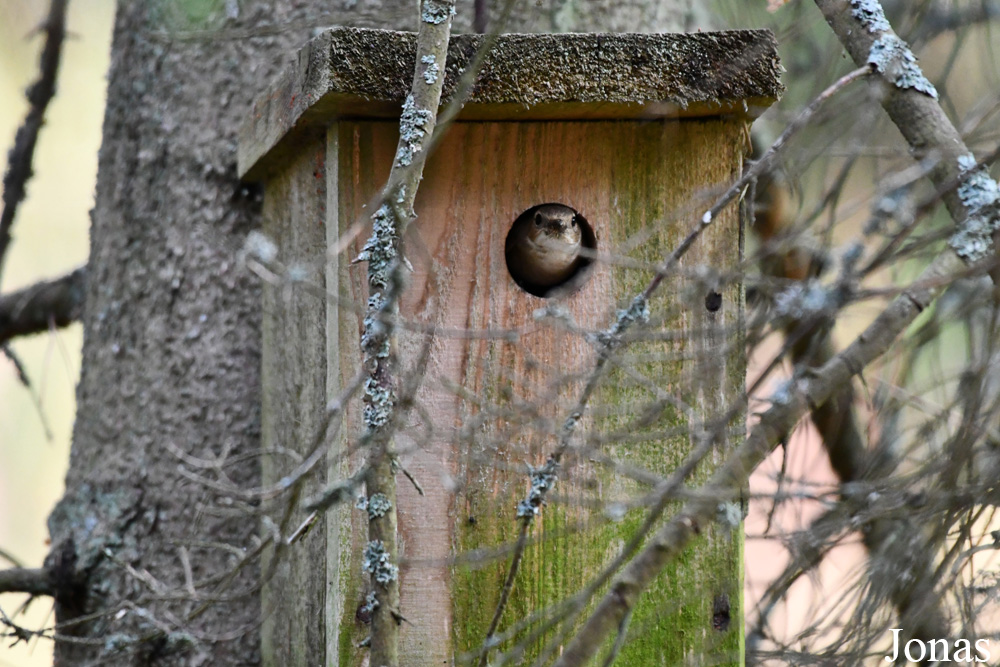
(543, 247)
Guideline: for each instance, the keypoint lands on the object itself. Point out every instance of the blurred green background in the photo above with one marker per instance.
(50, 238)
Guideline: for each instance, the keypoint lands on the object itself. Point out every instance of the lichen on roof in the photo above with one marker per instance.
(523, 77)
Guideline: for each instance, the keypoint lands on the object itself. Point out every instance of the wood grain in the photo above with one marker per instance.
(294, 400)
(498, 383)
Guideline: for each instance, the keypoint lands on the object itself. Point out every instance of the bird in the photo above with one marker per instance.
(543, 248)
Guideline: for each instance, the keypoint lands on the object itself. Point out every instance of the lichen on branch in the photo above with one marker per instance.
(386, 282)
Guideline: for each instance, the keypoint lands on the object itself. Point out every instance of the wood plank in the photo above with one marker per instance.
(294, 400)
(489, 404)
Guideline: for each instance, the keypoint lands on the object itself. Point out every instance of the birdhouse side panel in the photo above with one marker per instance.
(294, 401)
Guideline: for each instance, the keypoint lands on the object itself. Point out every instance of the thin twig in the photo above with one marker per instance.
(386, 284)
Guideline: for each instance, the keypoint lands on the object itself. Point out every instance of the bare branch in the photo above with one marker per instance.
(912, 103)
(386, 283)
(34, 581)
(46, 304)
(41, 92)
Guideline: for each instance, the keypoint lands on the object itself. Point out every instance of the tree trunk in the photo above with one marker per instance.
(171, 356)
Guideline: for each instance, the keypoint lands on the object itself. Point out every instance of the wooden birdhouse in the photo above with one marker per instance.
(635, 135)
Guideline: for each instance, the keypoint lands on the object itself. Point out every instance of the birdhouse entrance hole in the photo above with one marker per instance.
(550, 250)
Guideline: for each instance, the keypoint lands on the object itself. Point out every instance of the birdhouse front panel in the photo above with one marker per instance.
(500, 368)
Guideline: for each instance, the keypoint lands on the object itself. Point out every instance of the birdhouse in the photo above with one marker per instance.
(577, 163)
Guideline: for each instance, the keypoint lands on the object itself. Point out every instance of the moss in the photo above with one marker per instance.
(673, 618)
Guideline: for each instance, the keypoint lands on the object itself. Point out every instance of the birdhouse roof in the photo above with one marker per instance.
(364, 73)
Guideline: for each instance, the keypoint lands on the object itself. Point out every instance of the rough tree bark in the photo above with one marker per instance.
(172, 325)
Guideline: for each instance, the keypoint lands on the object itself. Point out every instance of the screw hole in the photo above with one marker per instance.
(720, 613)
(713, 301)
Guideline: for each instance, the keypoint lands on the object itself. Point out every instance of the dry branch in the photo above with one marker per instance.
(862, 28)
(386, 283)
(39, 95)
(36, 308)
(912, 104)
(34, 581)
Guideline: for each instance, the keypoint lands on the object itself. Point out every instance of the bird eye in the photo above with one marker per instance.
(538, 220)
(572, 221)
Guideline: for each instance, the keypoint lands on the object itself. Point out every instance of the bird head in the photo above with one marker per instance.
(555, 222)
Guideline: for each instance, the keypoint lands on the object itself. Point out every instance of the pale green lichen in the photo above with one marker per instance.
(542, 481)
(412, 130)
(801, 300)
(260, 246)
(570, 424)
(437, 12)
(729, 515)
(376, 563)
(380, 250)
(870, 14)
(637, 312)
(379, 404)
(891, 56)
(370, 605)
(381, 254)
(980, 194)
(432, 70)
(785, 391)
(374, 338)
(377, 506)
(297, 273)
(94, 518)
